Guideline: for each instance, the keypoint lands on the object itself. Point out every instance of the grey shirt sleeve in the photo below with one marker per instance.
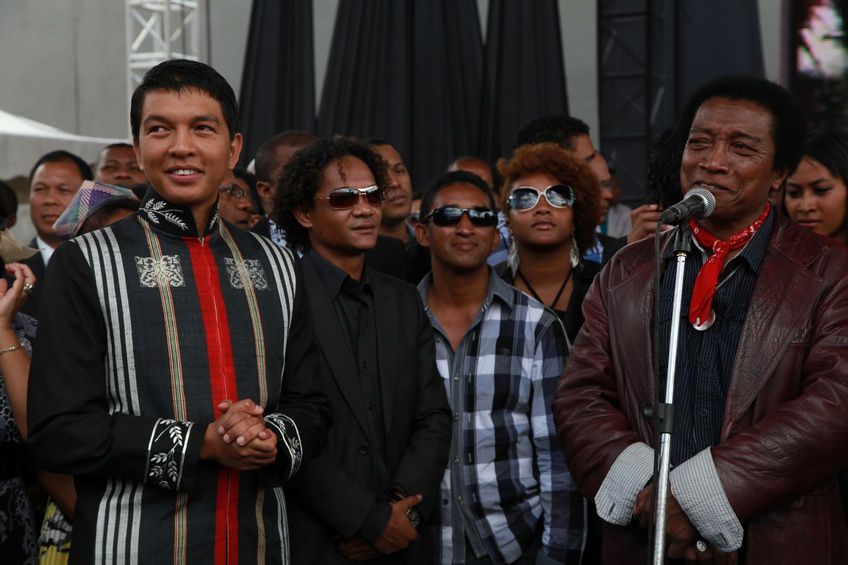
(626, 478)
(696, 486)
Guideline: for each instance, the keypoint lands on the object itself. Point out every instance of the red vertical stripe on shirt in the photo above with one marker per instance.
(223, 385)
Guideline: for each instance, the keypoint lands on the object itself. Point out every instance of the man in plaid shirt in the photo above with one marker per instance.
(507, 495)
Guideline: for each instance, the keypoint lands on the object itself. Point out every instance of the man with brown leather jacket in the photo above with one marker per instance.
(761, 393)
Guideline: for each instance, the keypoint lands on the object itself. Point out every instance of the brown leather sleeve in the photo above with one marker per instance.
(592, 428)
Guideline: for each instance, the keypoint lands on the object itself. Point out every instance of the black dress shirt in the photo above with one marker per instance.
(353, 303)
(705, 358)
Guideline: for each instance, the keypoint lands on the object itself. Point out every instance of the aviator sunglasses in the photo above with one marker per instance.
(347, 197)
(525, 198)
(451, 216)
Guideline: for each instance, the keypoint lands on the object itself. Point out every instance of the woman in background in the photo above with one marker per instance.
(816, 195)
(552, 201)
(18, 533)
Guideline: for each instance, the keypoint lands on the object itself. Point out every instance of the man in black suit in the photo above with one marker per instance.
(371, 491)
(53, 181)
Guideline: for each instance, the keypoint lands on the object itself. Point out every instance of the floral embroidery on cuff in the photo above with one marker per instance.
(290, 437)
(166, 453)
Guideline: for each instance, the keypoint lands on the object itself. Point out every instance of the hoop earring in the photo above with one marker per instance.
(575, 253)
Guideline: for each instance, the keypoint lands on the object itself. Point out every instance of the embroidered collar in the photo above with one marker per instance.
(172, 218)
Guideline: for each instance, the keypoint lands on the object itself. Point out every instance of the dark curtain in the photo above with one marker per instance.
(716, 38)
(407, 72)
(524, 73)
(278, 83)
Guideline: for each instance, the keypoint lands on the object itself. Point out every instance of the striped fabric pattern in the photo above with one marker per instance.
(162, 325)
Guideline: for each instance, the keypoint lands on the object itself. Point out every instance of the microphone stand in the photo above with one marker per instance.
(665, 410)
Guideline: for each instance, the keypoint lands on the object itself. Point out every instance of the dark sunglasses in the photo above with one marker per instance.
(347, 197)
(451, 216)
(526, 198)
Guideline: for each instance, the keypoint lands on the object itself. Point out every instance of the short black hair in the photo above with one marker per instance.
(557, 128)
(177, 75)
(59, 156)
(304, 174)
(266, 164)
(450, 179)
(8, 199)
(788, 122)
(119, 145)
(246, 176)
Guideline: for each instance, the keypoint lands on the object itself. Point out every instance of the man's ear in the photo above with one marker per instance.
(303, 217)
(137, 151)
(421, 235)
(235, 149)
(778, 180)
(266, 195)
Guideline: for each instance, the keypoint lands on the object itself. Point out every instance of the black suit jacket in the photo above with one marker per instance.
(331, 497)
(36, 263)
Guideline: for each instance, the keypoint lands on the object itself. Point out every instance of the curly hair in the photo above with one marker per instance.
(564, 166)
(304, 174)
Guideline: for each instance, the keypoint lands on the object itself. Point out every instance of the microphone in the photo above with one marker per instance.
(698, 203)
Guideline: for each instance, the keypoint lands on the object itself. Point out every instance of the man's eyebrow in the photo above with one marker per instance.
(733, 134)
(156, 118)
(206, 118)
(200, 118)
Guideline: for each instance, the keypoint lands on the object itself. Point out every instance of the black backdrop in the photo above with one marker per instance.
(278, 82)
(418, 74)
(413, 72)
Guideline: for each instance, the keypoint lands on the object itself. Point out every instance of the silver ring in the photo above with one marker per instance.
(28, 288)
(701, 546)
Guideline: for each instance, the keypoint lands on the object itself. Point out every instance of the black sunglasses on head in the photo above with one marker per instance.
(526, 197)
(347, 197)
(451, 216)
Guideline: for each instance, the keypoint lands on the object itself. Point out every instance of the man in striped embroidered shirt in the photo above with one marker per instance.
(507, 495)
(172, 375)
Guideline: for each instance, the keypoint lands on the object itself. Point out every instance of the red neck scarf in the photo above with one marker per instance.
(707, 281)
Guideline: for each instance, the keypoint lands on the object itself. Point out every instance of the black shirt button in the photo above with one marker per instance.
(363, 450)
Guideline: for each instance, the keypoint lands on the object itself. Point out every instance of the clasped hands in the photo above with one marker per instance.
(397, 534)
(238, 439)
(681, 535)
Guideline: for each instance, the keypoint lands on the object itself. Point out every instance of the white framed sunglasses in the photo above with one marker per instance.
(523, 198)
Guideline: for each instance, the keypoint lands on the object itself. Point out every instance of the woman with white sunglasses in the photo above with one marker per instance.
(552, 200)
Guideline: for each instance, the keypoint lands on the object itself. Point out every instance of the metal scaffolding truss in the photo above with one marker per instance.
(635, 104)
(158, 30)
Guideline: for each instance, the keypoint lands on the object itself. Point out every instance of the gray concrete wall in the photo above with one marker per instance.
(64, 63)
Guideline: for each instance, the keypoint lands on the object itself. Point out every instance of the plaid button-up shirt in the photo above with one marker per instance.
(506, 479)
